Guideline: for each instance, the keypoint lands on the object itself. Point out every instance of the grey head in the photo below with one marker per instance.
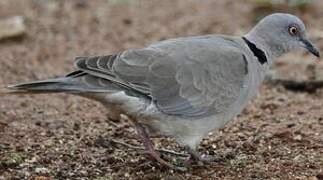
(280, 33)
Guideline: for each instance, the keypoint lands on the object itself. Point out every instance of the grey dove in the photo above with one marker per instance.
(184, 87)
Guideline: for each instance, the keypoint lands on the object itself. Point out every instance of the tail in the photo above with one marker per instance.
(83, 83)
(45, 86)
(5, 91)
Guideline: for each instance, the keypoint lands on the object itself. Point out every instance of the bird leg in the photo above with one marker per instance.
(149, 147)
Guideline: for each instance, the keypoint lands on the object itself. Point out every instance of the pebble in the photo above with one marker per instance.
(12, 27)
(41, 170)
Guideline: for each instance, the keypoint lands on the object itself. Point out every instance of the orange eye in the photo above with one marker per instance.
(293, 30)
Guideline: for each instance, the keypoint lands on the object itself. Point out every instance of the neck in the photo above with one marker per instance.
(271, 52)
(258, 53)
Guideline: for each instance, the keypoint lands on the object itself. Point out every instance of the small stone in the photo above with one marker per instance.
(290, 125)
(38, 123)
(41, 170)
(320, 176)
(312, 178)
(81, 4)
(12, 27)
(76, 127)
(298, 138)
(300, 112)
(42, 178)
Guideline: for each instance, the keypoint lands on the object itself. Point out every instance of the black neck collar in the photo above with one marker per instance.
(260, 54)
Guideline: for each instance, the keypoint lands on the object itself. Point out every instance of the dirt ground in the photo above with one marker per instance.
(58, 136)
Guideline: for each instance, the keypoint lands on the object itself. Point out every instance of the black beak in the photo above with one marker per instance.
(309, 46)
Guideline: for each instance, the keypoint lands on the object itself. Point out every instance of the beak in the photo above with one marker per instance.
(309, 46)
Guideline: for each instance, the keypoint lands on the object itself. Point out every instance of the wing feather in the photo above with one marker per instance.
(190, 77)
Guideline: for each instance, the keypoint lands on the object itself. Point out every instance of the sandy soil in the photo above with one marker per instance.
(278, 136)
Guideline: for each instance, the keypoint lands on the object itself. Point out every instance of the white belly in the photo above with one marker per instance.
(185, 131)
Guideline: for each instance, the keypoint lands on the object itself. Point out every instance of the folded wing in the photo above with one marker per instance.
(187, 78)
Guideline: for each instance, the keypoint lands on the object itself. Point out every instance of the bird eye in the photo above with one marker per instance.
(293, 30)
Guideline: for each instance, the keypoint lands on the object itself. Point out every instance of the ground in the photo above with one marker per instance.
(58, 136)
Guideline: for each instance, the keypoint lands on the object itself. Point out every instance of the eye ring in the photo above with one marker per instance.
(293, 30)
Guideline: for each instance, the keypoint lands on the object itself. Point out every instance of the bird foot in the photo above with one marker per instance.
(156, 156)
(201, 160)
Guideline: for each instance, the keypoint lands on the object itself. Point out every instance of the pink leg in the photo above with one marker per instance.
(151, 150)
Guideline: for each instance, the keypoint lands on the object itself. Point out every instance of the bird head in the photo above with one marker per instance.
(280, 33)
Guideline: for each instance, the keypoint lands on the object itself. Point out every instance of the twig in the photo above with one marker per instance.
(3, 123)
(141, 148)
(308, 86)
(112, 123)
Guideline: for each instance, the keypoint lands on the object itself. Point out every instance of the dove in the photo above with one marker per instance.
(184, 87)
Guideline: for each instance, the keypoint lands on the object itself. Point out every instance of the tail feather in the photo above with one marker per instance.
(46, 86)
(65, 84)
(5, 91)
